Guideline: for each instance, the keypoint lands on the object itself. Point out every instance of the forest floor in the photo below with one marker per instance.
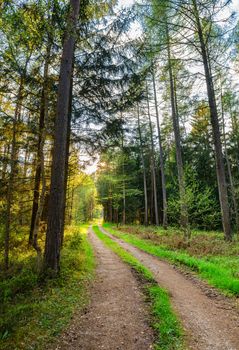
(118, 316)
(210, 320)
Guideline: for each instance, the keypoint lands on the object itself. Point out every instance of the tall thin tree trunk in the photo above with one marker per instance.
(146, 220)
(24, 179)
(13, 160)
(71, 204)
(124, 190)
(163, 182)
(152, 221)
(5, 160)
(220, 168)
(176, 129)
(41, 196)
(67, 155)
(55, 208)
(38, 169)
(235, 130)
(110, 205)
(41, 140)
(153, 163)
(124, 200)
(231, 181)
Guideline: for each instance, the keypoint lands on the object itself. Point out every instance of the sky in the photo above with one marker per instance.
(125, 3)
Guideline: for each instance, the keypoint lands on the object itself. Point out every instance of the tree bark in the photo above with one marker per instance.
(67, 156)
(56, 198)
(181, 182)
(13, 160)
(146, 220)
(163, 182)
(110, 205)
(124, 191)
(36, 191)
(41, 131)
(235, 130)
(220, 168)
(153, 166)
(231, 181)
(42, 137)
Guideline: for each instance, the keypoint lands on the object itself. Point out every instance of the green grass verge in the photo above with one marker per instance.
(33, 312)
(165, 322)
(215, 271)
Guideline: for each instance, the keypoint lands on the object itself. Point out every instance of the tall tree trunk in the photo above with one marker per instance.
(37, 180)
(124, 200)
(13, 160)
(124, 190)
(67, 156)
(220, 168)
(231, 181)
(163, 182)
(110, 205)
(71, 205)
(235, 130)
(5, 161)
(55, 209)
(153, 166)
(22, 204)
(181, 182)
(146, 220)
(41, 139)
(152, 220)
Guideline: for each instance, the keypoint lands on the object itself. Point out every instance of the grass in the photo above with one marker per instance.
(219, 271)
(203, 243)
(34, 312)
(168, 329)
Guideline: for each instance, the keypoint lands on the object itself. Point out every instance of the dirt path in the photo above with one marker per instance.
(210, 324)
(117, 317)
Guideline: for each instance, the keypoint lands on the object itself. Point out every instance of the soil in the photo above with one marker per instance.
(118, 317)
(210, 320)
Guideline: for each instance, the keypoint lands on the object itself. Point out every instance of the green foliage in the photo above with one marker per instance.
(168, 329)
(117, 178)
(31, 306)
(84, 207)
(214, 270)
(203, 207)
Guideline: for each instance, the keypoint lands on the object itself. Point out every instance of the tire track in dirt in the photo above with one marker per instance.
(117, 317)
(208, 324)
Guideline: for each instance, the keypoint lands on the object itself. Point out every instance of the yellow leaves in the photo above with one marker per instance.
(7, 106)
(98, 10)
(201, 119)
(23, 26)
(80, 179)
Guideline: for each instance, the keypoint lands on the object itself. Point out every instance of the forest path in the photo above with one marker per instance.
(210, 321)
(117, 317)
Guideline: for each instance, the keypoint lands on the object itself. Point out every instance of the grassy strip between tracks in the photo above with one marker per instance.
(169, 333)
(215, 273)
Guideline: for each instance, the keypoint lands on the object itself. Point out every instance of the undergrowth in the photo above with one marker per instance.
(33, 311)
(165, 323)
(219, 271)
